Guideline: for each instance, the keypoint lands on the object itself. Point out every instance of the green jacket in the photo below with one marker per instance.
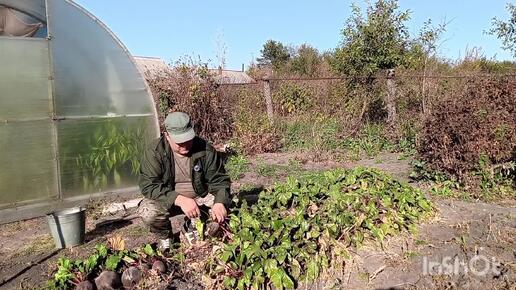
(208, 173)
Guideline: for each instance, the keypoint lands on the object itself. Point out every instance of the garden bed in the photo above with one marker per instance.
(458, 229)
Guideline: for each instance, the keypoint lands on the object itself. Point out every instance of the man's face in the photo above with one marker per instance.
(181, 148)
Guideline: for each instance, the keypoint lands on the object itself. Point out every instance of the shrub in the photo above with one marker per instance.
(254, 134)
(189, 87)
(252, 131)
(294, 98)
(479, 121)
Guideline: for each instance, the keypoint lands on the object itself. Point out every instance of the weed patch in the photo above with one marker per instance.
(488, 182)
(41, 245)
(317, 134)
(266, 170)
(495, 181)
(236, 166)
(370, 141)
(293, 167)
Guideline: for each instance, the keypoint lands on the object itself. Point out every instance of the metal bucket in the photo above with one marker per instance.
(67, 226)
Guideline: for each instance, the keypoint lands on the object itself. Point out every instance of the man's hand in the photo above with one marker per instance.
(218, 212)
(188, 206)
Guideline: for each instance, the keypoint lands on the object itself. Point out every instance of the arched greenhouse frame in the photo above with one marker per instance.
(75, 111)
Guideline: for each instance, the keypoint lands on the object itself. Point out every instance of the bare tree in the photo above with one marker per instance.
(220, 49)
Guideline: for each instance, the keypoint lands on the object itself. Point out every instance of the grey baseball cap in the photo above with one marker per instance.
(179, 127)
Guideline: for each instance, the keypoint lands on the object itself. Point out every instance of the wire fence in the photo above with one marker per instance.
(344, 78)
(415, 92)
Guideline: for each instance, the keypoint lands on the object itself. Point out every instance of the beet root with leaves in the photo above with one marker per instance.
(114, 267)
(300, 228)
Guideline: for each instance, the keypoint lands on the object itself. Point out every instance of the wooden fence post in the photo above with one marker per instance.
(268, 100)
(391, 97)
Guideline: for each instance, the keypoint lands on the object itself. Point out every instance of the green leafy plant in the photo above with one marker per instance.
(103, 153)
(446, 188)
(294, 98)
(421, 172)
(70, 272)
(63, 274)
(441, 185)
(289, 234)
(102, 250)
(199, 226)
(407, 143)
(148, 250)
(91, 263)
(236, 166)
(113, 261)
(111, 148)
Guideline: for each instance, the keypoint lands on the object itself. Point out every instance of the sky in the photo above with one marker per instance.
(173, 29)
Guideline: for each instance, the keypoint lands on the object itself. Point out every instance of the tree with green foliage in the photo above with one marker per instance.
(306, 60)
(274, 53)
(506, 31)
(378, 41)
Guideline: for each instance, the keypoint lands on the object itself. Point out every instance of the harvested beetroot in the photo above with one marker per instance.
(131, 277)
(159, 266)
(108, 280)
(85, 285)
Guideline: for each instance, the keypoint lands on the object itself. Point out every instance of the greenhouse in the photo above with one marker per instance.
(75, 110)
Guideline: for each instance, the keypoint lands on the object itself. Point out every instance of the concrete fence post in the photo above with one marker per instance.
(268, 100)
(391, 97)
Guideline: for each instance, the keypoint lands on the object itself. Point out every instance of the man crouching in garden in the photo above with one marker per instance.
(181, 173)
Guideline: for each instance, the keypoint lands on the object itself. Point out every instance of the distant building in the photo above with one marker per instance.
(151, 66)
(224, 77)
(154, 66)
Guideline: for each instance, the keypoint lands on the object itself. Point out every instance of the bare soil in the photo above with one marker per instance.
(460, 231)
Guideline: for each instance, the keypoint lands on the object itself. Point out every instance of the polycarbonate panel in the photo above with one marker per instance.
(97, 155)
(34, 8)
(94, 75)
(28, 165)
(24, 79)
